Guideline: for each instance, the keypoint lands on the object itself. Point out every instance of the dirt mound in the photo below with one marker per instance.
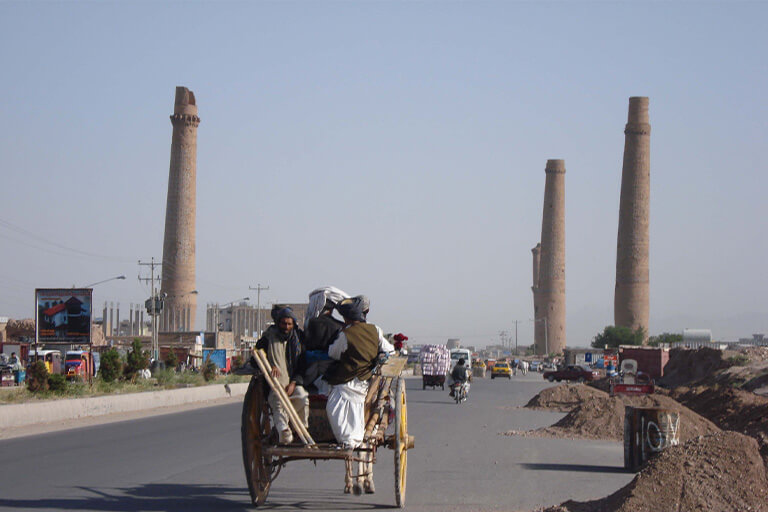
(717, 472)
(17, 328)
(563, 398)
(597, 415)
(730, 409)
(603, 418)
(686, 366)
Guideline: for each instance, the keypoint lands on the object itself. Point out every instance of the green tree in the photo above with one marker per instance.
(57, 382)
(667, 337)
(136, 361)
(171, 361)
(209, 370)
(237, 362)
(37, 377)
(613, 336)
(110, 367)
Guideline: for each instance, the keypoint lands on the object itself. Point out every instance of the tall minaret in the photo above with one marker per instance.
(631, 302)
(178, 278)
(551, 285)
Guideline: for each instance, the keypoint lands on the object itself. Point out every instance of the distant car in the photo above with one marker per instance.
(536, 366)
(501, 370)
(571, 373)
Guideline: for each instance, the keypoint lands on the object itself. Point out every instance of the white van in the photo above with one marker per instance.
(461, 353)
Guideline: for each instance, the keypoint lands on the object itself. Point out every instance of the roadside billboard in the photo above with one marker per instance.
(63, 315)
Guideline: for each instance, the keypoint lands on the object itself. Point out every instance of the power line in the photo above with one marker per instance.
(21, 231)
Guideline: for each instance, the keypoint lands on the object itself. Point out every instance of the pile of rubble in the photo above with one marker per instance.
(716, 472)
(594, 414)
(563, 398)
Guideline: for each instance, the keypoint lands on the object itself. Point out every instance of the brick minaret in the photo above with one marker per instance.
(551, 285)
(178, 278)
(631, 302)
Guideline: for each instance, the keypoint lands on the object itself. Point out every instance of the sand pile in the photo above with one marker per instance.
(563, 398)
(717, 472)
(686, 366)
(730, 409)
(601, 416)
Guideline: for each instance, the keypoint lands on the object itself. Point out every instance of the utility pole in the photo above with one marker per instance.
(516, 322)
(258, 289)
(154, 304)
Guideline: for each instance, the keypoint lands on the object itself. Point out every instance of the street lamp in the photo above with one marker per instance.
(546, 338)
(104, 281)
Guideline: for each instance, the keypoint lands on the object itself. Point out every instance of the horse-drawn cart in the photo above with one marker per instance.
(386, 425)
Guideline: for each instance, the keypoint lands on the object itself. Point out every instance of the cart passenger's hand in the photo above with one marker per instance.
(290, 388)
(276, 372)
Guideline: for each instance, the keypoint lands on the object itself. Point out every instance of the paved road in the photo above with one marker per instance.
(191, 461)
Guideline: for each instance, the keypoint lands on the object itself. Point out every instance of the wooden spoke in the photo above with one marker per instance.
(260, 468)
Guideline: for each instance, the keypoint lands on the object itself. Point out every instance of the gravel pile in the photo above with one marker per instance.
(597, 415)
(710, 473)
(730, 409)
(564, 398)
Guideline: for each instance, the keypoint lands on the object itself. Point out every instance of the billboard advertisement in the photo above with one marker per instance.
(63, 315)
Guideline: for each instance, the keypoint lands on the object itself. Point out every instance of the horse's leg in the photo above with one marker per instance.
(368, 482)
(347, 476)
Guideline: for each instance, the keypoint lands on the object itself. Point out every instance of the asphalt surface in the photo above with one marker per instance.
(191, 461)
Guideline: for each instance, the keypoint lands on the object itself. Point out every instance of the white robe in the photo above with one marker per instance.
(346, 402)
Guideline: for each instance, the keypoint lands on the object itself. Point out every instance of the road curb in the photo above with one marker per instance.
(52, 411)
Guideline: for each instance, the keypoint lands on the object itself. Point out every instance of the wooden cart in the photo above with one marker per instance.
(263, 458)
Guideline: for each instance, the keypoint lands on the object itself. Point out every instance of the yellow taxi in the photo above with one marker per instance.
(501, 369)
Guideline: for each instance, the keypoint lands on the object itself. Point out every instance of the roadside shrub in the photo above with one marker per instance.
(37, 377)
(209, 370)
(110, 367)
(237, 362)
(57, 382)
(136, 361)
(190, 379)
(165, 377)
(171, 361)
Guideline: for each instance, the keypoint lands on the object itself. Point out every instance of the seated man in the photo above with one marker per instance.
(356, 351)
(459, 375)
(282, 344)
(321, 329)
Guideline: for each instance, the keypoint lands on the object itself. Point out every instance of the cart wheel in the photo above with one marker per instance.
(255, 430)
(401, 444)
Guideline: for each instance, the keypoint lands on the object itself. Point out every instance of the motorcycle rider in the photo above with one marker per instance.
(460, 375)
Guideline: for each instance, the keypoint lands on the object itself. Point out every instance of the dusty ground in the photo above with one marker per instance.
(595, 414)
(719, 472)
(711, 470)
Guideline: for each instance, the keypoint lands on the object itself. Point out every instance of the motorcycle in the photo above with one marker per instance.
(460, 392)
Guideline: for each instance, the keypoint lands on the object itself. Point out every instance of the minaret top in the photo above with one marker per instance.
(185, 102)
(638, 110)
(555, 166)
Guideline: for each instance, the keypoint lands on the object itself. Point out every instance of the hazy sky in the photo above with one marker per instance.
(395, 149)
